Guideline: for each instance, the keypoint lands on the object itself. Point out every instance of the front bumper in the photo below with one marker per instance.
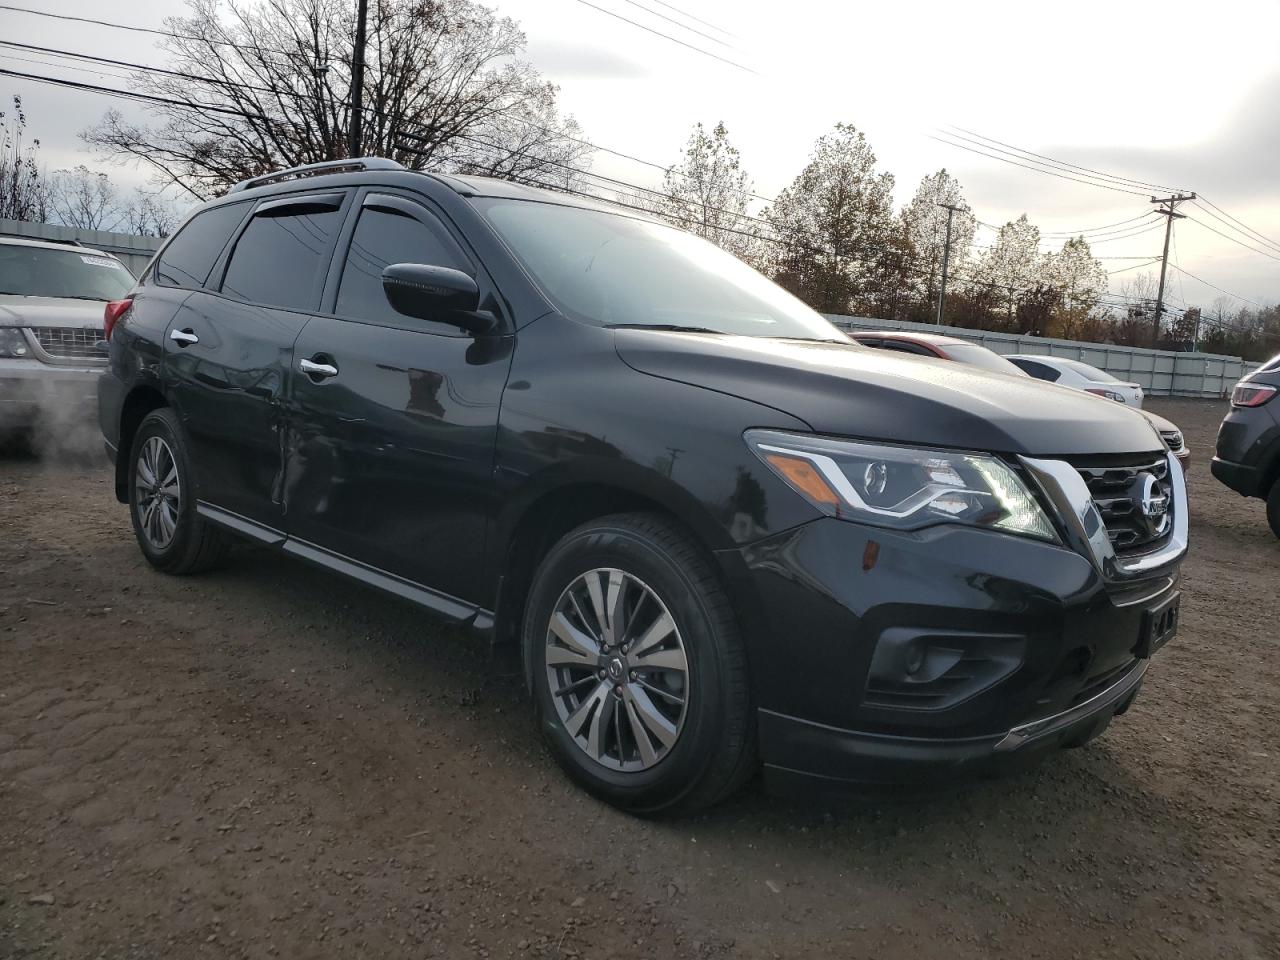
(34, 394)
(826, 758)
(1020, 646)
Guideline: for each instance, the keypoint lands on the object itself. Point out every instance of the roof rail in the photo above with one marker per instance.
(72, 242)
(316, 170)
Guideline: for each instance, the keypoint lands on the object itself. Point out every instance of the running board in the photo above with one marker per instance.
(442, 604)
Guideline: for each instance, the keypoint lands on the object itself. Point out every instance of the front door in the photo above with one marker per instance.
(229, 353)
(394, 419)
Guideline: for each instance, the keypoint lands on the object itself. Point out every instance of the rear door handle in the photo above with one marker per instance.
(321, 371)
(184, 338)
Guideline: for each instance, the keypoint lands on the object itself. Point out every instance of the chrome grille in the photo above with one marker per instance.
(1173, 439)
(1119, 494)
(70, 343)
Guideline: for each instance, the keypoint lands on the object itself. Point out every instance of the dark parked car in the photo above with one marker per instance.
(1248, 455)
(720, 532)
(963, 351)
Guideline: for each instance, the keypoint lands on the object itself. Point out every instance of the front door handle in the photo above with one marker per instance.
(321, 371)
(184, 338)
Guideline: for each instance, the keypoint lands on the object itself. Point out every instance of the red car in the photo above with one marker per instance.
(963, 351)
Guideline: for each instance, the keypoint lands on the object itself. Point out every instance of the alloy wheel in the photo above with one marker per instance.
(617, 670)
(157, 492)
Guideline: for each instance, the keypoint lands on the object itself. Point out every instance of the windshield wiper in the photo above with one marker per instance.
(676, 327)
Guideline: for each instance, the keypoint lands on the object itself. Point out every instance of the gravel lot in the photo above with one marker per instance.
(270, 762)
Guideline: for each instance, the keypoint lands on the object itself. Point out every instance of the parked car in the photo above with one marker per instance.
(963, 351)
(51, 303)
(1079, 376)
(1248, 454)
(720, 532)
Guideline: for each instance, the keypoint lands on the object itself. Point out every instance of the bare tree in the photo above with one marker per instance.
(23, 191)
(85, 199)
(925, 221)
(708, 193)
(262, 84)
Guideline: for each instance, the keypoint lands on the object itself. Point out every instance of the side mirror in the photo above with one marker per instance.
(435, 293)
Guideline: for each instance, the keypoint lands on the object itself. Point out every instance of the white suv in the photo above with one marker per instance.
(52, 302)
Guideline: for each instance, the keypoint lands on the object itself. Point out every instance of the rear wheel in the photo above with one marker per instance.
(637, 667)
(1273, 507)
(162, 504)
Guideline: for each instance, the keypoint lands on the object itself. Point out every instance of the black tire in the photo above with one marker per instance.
(1273, 507)
(195, 544)
(714, 750)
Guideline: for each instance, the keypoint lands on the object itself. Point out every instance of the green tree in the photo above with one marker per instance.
(1081, 282)
(833, 224)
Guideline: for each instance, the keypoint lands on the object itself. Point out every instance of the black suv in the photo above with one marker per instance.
(1248, 455)
(721, 533)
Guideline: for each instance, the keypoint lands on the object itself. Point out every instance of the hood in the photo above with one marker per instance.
(1159, 422)
(854, 391)
(50, 312)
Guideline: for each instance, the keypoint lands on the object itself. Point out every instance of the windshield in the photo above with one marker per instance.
(617, 270)
(42, 272)
(984, 358)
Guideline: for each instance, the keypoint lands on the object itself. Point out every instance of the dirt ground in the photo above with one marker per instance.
(271, 762)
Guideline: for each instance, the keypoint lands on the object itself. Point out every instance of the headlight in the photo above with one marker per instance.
(901, 487)
(13, 344)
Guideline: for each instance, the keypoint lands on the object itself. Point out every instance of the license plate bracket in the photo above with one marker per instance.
(1159, 624)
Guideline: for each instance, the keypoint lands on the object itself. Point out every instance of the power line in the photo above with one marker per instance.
(1235, 296)
(1062, 163)
(665, 36)
(1247, 231)
(705, 23)
(682, 26)
(1136, 266)
(151, 30)
(1049, 173)
(125, 94)
(1232, 239)
(1042, 169)
(223, 83)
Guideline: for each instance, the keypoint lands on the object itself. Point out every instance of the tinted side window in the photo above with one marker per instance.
(1037, 370)
(384, 237)
(279, 260)
(901, 346)
(190, 256)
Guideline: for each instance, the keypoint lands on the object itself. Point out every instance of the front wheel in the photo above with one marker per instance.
(162, 503)
(637, 667)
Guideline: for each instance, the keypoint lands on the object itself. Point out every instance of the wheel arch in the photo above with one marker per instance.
(139, 402)
(530, 527)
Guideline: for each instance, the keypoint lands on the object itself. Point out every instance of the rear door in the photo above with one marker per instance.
(393, 442)
(230, 348)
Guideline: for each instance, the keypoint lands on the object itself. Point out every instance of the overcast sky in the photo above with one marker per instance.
(1165, 92)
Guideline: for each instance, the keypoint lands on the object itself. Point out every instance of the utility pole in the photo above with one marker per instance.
(946, 257)
(355, 145)
(1166, 209)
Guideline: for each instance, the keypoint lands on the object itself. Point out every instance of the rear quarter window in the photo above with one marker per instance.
(189, 257)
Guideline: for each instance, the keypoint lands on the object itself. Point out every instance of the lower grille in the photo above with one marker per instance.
(71, 343)
(1136, 503)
